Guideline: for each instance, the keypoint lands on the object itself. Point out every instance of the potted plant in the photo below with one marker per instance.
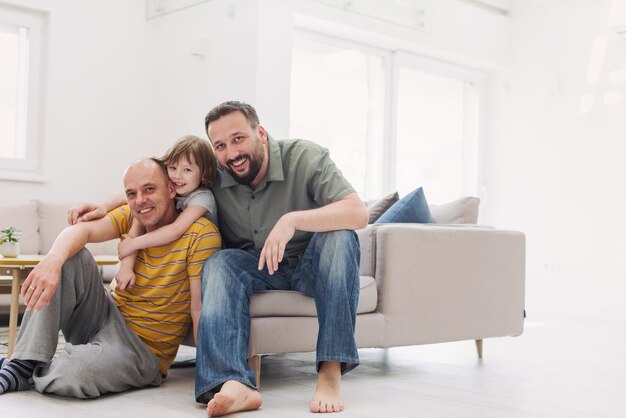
(10, 242)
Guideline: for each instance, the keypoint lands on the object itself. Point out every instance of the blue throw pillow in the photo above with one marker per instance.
(411, 208)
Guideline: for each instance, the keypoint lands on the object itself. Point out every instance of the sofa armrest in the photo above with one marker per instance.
(367, 241)
(446, 283)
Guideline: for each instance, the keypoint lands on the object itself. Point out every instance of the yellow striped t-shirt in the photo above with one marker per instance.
(157, 307)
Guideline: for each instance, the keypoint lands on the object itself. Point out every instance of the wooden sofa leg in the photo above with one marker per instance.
(479, 348)
(255, 364)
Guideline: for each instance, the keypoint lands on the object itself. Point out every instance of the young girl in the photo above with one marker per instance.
(191, 166)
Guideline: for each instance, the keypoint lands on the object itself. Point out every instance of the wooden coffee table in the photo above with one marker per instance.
(18, 268)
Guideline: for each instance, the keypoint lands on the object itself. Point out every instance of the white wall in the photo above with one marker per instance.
(560, 173)
(217, 51)
(94, 98)
(119, 87)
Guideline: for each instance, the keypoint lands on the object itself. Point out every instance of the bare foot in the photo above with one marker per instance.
(233, 397)
(326, 397)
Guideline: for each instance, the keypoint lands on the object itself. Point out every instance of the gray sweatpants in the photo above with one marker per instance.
(102, 353)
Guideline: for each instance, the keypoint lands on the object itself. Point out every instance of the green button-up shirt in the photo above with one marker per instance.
(301, 176)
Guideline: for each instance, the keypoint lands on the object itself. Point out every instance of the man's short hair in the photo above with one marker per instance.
(229, 107)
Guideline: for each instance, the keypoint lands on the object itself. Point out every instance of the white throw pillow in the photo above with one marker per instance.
(460, 211)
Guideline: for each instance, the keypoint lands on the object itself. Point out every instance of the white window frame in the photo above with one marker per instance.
(29, 97)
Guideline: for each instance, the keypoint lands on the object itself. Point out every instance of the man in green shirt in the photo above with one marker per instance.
(287, 218)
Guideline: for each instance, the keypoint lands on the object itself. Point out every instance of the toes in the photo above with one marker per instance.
(210, 408)
(322, 406)
(314, 406)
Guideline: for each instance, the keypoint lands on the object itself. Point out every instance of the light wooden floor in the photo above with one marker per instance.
(555, 369)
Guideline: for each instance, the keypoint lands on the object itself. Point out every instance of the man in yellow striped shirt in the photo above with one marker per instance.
(120, 341)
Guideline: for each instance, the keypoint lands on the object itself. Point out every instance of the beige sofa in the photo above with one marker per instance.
(40, 223)
(420, 283)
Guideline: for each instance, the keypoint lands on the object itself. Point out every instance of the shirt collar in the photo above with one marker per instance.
(275, 172)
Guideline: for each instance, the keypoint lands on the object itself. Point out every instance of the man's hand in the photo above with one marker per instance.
(274, 247)
(85, 212)
(40, 285)
(125, 247)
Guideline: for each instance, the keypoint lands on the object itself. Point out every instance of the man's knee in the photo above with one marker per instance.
(342, 242)
(215, 263)
(82, 263)
(338, 255)
(81, 258)
(217, 267)
(221, 276)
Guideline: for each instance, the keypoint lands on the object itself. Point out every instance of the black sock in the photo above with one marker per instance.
(14, 374)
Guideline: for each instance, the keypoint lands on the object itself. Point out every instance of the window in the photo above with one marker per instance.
(436, 128)
(20, 50)
(12, 85)
(337, 100)
(392, 121)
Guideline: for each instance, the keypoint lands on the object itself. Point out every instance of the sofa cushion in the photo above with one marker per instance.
(460, 211)
(22, 216)
(378, 207)
(293, 303)
(412, 208)
(53, 218)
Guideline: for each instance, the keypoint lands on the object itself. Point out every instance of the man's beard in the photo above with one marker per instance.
(254, 166)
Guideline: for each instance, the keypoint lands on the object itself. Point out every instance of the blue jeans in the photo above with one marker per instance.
(328, 271)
